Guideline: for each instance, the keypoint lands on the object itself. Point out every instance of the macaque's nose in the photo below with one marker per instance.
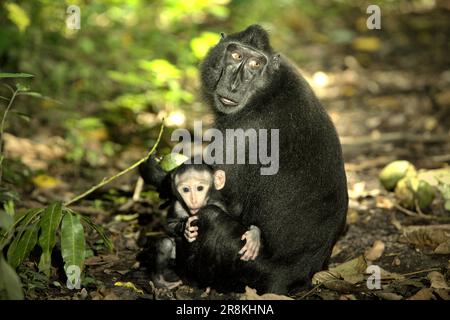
(193, 199)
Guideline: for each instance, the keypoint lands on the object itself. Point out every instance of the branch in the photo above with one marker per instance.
(2, 127)
(106, 181)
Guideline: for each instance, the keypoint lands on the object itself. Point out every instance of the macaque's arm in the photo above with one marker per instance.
(179, 223)
(176, 220)
(175, 226)
(252, 245)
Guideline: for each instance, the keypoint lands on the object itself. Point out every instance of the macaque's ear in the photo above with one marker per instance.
(219, 179)
(276, 61)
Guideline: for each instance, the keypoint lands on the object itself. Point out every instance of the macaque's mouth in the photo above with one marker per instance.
(194, 211)
(228, 102)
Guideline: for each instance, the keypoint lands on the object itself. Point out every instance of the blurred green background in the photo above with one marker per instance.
(133, 62)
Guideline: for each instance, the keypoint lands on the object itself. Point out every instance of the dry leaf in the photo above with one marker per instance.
(423, 294)
(387, 275)
(383, 202)
(422, 236)
(44, 181)
(376, 251)
(443, 248)
(351, 271)
(396, 262)
(357, 191)
(250, 294)
(324, 276)
(332, 281)
(336, 250)
(352, 216)
(444, 294)
(388, 295)
(437, 280)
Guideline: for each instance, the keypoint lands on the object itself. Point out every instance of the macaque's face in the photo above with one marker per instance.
(193, 186)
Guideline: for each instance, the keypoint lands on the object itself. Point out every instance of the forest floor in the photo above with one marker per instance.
(395, 109)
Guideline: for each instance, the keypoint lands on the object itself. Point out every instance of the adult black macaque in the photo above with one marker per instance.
(301, 209)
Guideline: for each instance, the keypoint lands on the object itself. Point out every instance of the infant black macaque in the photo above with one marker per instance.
(213, 259)
(195, 186)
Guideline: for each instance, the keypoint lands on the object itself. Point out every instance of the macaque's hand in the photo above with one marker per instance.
(190, 233)
(253, 243)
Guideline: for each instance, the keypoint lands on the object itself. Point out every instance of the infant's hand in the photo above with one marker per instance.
(190, 233)
(253, 243)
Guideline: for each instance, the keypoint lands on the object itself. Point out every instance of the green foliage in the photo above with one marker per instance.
(17, 15)
(72, 241)
(15, 75)
(10, 286)
(101, 232)
(172, 161)
(50, 220)
(46, 222)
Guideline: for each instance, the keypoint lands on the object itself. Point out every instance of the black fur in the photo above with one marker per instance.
(213, 259)
(301, 210)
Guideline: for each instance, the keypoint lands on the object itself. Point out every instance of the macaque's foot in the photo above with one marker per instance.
(253, 243)
(161, 283)
(206, 293)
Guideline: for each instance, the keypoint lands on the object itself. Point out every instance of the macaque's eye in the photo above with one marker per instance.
(200, 188)
(254, 64)
(236, 56)
(185, 189)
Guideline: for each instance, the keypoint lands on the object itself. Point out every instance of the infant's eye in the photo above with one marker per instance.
(185, 189)
(200, 188)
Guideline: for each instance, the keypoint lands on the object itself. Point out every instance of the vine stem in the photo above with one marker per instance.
(108, 180)
(2, 126)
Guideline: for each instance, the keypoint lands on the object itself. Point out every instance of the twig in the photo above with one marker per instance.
(310, 291)
(138, 189)
(420, 215)
(108, 180)
(420, 271)
(2, 126)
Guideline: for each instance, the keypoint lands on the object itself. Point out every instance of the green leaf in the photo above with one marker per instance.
(172, 161)
(17, 15)
(6, 221)
(31, 93)
(9, 207)
(22, 88)
(15, 75)
(72, 240)
(50, 221)
(26, 243)
(9, 281)
(447, 205)
(23, 223)
(101, 232)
